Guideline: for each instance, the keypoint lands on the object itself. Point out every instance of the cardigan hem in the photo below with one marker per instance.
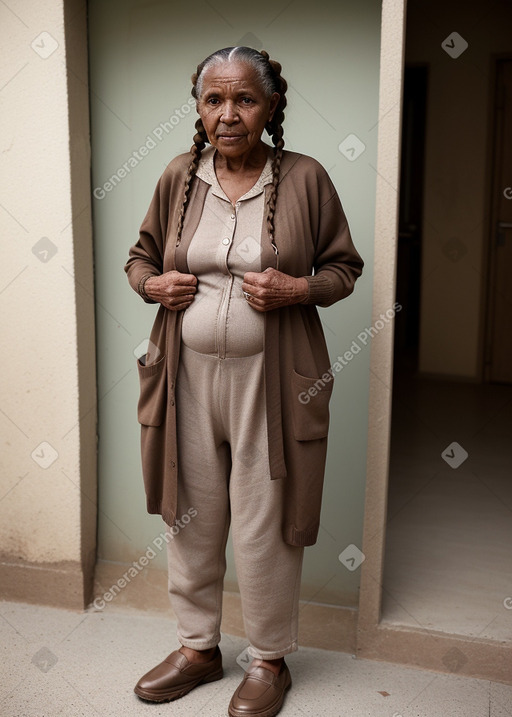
(155, 508)
(300, 538)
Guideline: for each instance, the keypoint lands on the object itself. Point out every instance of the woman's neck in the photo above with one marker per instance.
(245, 164)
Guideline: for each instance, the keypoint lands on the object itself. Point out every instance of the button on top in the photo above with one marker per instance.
(226, 241)
(233, 216)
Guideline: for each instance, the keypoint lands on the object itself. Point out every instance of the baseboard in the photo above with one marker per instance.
(437, 651)
(61, 584)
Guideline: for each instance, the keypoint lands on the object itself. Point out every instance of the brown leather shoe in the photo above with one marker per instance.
(261, 693)
(176, 676)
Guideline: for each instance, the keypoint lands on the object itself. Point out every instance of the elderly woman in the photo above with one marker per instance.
(240, 244)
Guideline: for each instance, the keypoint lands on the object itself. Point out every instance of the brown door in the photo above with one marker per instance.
(499, 344)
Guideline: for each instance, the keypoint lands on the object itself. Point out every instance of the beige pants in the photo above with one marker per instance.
(224, 475)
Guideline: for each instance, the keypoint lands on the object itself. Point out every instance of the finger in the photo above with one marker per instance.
(254, 289)
(174, 278)
(180, 291)
(179, 296)
(247, 287)
(264, 280)
(179, 288)
(254, 303)
(257, 303)
(253, 278)
(178, 301)
(267, 304)
(261, 308)
(186, 279)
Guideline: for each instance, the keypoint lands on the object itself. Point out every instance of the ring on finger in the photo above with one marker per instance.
(248, 296)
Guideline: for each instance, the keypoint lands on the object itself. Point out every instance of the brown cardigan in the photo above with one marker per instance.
(312, 235)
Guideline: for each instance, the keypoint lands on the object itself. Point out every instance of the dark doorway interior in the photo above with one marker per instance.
(410, 218)
(498, 359)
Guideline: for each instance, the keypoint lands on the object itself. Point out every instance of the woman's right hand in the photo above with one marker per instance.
(173, 289)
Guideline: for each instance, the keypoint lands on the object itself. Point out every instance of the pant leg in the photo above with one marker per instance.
(196, 555)
(268, 569)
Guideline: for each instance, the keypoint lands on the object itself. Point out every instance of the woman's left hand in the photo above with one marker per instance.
(271, 289)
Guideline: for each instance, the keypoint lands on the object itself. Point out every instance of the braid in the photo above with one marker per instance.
(199, 140)
(269, 72)
(275, 130)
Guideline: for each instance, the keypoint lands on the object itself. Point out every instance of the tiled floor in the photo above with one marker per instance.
(449, 534)
(60, 663)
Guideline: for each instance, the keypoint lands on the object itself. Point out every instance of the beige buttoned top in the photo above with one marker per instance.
(226, 244)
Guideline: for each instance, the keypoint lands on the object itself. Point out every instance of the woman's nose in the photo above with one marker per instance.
(229, 113)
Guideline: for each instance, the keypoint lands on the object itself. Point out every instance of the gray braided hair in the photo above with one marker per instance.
(269, 74)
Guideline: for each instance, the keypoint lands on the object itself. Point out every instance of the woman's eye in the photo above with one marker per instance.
(212, 101)
(247, 100)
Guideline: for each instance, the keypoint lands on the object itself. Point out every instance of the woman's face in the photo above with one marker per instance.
(234, 108)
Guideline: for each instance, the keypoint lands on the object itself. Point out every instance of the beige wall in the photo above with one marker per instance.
(455, 229)
(47, 472)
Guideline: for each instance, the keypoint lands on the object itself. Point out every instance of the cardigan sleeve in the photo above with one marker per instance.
(337, 263)
(146, 256)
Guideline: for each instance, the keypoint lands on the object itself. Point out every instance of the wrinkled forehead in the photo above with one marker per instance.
(230, 75)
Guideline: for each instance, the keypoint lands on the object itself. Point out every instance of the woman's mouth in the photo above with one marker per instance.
(230, 137)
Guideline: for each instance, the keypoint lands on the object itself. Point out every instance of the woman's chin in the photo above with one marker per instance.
(232, 146)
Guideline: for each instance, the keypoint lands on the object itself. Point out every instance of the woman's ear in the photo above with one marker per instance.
(274, 101)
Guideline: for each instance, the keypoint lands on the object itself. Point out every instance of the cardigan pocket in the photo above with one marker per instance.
(153, 391)
(310, 406)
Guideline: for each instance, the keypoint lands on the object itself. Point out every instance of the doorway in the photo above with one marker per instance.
(449, 528)
(498, 364)
(410, 217)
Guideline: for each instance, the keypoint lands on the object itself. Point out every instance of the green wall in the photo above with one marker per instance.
(141, 57)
